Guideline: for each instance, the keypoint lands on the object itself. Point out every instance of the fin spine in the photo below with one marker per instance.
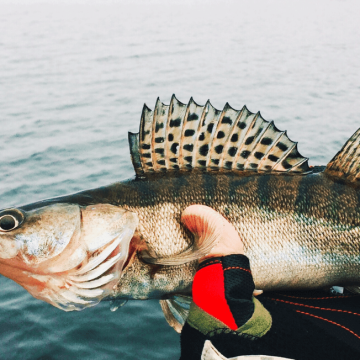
(145, 136)
(135, 153)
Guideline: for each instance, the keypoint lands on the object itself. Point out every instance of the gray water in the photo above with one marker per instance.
(73, 79)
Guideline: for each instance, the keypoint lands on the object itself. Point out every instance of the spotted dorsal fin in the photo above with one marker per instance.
(346, 163)
(184, 137)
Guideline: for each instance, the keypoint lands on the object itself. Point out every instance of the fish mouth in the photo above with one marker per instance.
(92, 263)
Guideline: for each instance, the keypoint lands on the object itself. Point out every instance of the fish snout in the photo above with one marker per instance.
(32, 237)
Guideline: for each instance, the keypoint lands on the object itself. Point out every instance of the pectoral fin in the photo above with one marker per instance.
(176, 311)
(205, 224)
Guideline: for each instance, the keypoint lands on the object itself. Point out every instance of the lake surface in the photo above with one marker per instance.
(73, 80)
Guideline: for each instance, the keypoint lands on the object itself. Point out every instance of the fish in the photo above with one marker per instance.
(300, 225)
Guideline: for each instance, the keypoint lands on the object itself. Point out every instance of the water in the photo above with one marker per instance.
(73, 79)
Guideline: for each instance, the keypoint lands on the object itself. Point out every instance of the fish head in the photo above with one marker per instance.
(68, 255)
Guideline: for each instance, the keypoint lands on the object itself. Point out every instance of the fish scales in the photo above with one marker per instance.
(299, 225)
(295, 229)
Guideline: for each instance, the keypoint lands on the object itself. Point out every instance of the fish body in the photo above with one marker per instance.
(299, 225)
(300, 232)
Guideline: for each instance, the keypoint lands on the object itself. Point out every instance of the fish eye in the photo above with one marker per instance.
(10, 220)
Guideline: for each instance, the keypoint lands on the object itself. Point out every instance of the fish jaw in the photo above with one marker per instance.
(80, 266)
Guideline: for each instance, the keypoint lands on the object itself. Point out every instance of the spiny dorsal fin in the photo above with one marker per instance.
(346, 163)
(184, 137)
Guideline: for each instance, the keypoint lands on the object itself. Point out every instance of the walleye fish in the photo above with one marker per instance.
(300, 225)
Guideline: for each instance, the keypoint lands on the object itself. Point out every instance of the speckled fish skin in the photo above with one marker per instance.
(300, 232)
